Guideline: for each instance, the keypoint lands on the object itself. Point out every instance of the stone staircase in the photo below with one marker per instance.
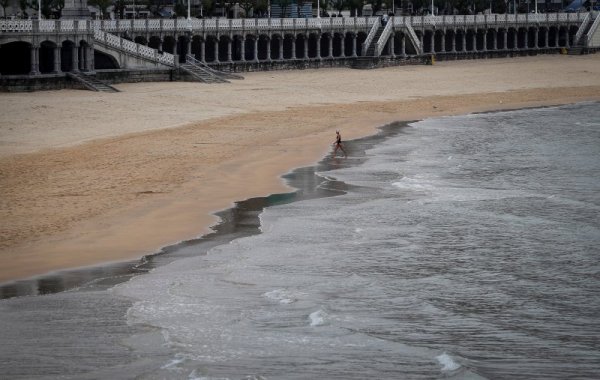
(204, 73)
(91, 82)
(371, 48)
(579, 46)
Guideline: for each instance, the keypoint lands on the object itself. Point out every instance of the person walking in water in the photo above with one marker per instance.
(338, 144)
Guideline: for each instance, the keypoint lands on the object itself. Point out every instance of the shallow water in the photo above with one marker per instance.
(461, 247)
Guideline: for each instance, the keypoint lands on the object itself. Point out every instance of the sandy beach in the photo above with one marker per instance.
(89, 178)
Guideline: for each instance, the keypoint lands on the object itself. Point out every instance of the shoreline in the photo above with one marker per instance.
(117, 199)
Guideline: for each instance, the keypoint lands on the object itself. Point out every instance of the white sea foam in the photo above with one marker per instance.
(317, 318)
(448, 364)
(280, 295)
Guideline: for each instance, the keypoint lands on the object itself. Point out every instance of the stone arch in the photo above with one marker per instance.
(84, 55)
(449, 36)
(479, 39)
(338, 46)
(47, 57)
(155, 42)
(501, 39)
(140, 40)
(360, 38)
(288, 45)
(510, 38)
(211, 52)
(275, 45)
(313, 40)
(103, 61)
(169, 44)
(223, 48)
(460, 38)
(249, 47)
(439, 41)
(300, 42)
(553, 36)
(325, 41)
(197, 42)
(348, 44)
(264, 42)
(237, 48)
(20, 62)
(66, 56)
(572, 31)
(470, 34)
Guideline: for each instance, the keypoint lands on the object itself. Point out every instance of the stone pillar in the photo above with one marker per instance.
(485, 40)
(56, 60)
(269, 50)
(391, 46)
(203, 51)
(256, 49)
(306, 48)
(495, 39)
(464, 40)
(216, 50)
(343, 48)
(516, 39)
(454, 41)
(34, 54)
(546, 37)
(567, 42)
(432, 48)
(504, 36)
(243, 49)
(75, 55)
(421, 37)
(536, 36)
(294, 47)
(91, 62)
(160, 42)
(403, 45)
(330, 55)
(281, 48)
(354, 45)
(81, 52)
(475, 41)
(189, 46)
(318, 47)
(229, 51)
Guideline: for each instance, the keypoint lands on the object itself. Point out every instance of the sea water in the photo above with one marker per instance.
(456, 247)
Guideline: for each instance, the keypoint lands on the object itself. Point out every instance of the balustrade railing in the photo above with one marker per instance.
(133, 48)
(581, 29)
(370, 37)
(383, 38)
(287, 23)
(593, 29)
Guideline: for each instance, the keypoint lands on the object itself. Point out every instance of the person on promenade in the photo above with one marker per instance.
(338, 144)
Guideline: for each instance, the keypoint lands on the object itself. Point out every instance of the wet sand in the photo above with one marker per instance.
(90, 178)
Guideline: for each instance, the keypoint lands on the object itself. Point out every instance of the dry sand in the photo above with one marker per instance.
(87, 178)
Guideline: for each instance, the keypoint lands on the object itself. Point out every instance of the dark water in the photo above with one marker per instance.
(461, 247)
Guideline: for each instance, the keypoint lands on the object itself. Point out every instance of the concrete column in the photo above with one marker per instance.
(485, 40)
(256, 49)
(243, 58)
(281, 48)
(229, 51)
(567, 43)
(75, 55)
(34, 56)
(432, 48)
(330, 55)
(495, 39)
(319, 47)
(391, 46)
(81, 52)
(475, 41)
(546, 37)
(269, 50)
(294, 47)
(354, 45)
(516, 40)
(160, 42)
(504, 36)
(403, 45)
(343, 48)
(56, 60)
(306, 48)
(91, 62)
(536, 36)
(454, 41)
(216, 50)
(203, 51)
(464, 40)
(421, 40)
